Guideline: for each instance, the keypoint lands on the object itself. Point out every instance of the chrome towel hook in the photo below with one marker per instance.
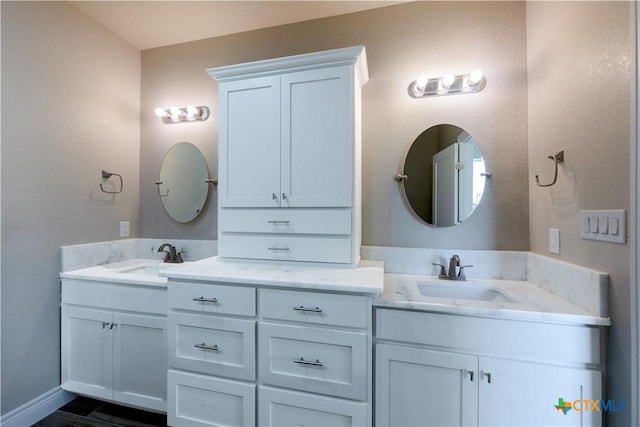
(557, 158)
(107, 175)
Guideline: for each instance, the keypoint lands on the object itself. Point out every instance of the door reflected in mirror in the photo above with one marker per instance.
(445, 175)
(183, 185)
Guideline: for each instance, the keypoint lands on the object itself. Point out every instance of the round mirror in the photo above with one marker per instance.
(444, 175)
(183, 183)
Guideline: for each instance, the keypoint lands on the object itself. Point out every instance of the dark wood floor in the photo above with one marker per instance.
(85, 412)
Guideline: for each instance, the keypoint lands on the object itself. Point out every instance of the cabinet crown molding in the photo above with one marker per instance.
(355, 55)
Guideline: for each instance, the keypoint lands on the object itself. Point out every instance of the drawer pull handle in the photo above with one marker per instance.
(204, 346)
(203, 299)
(308, 309)
(316, 362)
(278, 249)
(277, 222)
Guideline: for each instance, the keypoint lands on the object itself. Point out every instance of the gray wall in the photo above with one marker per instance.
(70, 108)
(579, 60)
(402, 42)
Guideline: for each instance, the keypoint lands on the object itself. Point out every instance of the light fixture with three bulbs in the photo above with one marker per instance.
(184, 114)
(447, 85)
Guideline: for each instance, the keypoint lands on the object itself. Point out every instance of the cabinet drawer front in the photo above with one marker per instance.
(290, 408)
(117, 296)
(199, 400)
(286, 248)
(313, 307)
(294, 221)
(213, 298)
(314, 360)
(541, 341)
(212, 345)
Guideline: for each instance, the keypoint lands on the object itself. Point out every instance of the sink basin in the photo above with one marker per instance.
(145, 267)
(465, 290)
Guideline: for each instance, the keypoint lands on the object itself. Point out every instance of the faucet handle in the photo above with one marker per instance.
(443, 272)
(461, 275)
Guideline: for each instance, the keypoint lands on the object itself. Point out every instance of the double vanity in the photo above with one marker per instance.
(295, 323)
(216, 342)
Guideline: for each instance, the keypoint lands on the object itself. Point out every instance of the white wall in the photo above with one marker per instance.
(402, 42)
(70, 108)
(579, 66)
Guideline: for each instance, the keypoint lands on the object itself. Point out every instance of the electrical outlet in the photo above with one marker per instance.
(124, 228)
(554, 241)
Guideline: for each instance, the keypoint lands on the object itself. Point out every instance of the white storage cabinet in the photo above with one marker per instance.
(289, 157)
(114, 342)
(445, 370)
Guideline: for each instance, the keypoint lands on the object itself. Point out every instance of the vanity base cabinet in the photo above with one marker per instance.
(423, 382)
(113, 355)
(278, 407)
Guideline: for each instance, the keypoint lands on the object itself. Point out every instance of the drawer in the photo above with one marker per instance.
(213, 298)
(542, 342)
(314, 360)
(289, 408)
(314, 307)
(116, 296)
(297, 221)
(199, 400)
(213, 345)
(285, 247)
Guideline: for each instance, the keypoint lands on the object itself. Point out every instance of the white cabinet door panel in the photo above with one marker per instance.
(419, 387)
(87, 351)
(140, 360)
(317, 138)
(249, 143)
(518, 393)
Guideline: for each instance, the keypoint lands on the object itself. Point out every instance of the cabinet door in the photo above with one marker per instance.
(86, 351)
(522, 393)
(249, 145)
(417, 387)
(317, 138)
(140, 360)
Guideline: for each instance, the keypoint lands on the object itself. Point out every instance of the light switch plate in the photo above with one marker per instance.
(607, 226)
(124, 228)
(554, 241)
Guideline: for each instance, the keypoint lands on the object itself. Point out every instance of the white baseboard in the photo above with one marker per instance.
(36, 409)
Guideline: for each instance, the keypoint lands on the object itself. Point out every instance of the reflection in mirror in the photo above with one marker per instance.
(445, 175)
(183, 185)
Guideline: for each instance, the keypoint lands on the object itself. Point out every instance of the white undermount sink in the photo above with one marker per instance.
(145, 267)
(462, 290)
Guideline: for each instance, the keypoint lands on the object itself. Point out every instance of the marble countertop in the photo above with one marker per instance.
(366, 277)
(530, 302)
(119, 272)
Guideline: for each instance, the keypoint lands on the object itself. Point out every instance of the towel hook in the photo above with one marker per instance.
(557, 158)
(107, 175)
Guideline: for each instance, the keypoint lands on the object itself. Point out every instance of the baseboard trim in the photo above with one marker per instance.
(36, 409)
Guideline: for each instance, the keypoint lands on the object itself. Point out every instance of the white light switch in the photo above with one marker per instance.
(608, 226)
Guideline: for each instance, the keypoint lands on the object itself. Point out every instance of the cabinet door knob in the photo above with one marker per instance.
(470, 375)
(274, 197)
(284, 196)
(105, 324)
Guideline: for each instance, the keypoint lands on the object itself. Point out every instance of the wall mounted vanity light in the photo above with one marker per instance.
(184, 114)
(447, 85)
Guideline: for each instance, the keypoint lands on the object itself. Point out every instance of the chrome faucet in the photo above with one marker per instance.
(454, 273)
(172, 256)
